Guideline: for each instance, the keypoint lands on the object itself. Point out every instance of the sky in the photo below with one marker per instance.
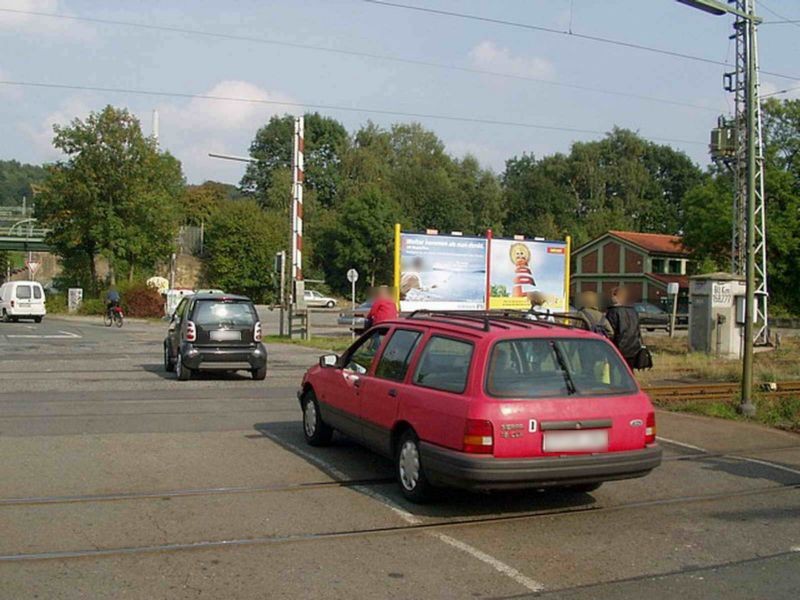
(542, 65)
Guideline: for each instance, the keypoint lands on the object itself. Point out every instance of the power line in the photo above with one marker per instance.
(330, 107)
(583, 36)
(385, 57)
(784, 20)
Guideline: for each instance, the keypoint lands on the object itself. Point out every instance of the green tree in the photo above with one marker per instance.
(240, 245)
(115, 195)
(324, 139)
(16, 180)
(360, 236)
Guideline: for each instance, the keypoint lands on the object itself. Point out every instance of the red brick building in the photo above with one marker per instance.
(644, 262)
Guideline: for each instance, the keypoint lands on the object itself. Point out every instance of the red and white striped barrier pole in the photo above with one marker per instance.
(298, 176)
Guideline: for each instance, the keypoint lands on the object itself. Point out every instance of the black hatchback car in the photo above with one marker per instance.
(215, 332)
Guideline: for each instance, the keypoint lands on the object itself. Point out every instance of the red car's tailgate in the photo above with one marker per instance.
(566, 426)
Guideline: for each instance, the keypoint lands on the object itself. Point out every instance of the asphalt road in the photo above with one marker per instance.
(117, 481)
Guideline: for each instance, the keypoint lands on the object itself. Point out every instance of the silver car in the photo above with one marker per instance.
(317, 300)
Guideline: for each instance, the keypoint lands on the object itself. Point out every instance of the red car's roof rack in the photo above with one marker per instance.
(484, 319)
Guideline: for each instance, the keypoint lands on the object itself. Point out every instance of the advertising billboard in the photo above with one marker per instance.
(441, 272)
(518, 267)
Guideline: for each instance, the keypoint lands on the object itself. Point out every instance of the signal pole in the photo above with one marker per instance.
(747, 162)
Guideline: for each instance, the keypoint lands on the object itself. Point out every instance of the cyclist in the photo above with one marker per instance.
(112, 300)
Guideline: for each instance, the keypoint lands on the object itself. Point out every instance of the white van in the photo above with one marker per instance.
(22, 300)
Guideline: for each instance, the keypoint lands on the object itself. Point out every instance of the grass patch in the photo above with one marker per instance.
(781, 413)
(673, 363)
(331, 344)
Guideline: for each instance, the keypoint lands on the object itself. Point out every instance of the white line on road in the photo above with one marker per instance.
(682, 444)
(495, 563)
(61, 335)
(498, 565)
(757, 461)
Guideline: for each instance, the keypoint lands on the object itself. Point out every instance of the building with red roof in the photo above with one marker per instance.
(644, 262)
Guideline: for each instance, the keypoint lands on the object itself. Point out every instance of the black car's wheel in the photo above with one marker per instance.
(169, 364)
(259, 374)
(410, 470)
(182, 371)
(316, 431)
(330, 304)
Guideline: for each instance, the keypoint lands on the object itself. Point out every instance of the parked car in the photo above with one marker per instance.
(356, 319)
(22, 300)
(215, 332)
(315, 299)
(485, 402)
(652, 317)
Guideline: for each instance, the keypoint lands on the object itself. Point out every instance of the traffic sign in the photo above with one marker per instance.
(33, 266)
(352, 275)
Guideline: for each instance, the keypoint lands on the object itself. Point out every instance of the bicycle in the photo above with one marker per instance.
(114, 315)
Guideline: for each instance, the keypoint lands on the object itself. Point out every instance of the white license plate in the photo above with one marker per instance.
(225, 335)
(591, 440)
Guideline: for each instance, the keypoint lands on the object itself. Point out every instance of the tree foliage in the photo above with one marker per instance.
(240, 246)
(16, 180)
(114, 196)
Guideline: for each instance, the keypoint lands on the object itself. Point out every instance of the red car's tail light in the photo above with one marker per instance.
(191, 332)
(650, 431)
(257, 332)
(478, 437)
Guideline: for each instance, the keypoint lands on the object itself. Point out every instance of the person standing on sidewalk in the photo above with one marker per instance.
(383, 307)
(625, 323)
(588, 307)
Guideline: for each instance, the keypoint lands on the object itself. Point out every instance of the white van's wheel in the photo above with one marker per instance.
(6, 318)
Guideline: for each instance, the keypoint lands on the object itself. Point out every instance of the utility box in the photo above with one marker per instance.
(714, 326)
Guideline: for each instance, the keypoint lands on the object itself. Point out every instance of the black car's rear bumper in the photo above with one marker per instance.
(457, 469)
(253, 356)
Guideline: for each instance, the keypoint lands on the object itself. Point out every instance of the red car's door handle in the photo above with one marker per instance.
(393, 393)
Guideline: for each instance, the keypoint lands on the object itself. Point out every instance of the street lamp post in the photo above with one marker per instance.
(718, 8)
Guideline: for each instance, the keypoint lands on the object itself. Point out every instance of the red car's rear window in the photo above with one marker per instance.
(541, 367)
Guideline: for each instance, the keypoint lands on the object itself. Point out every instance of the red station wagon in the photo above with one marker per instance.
(485, 401)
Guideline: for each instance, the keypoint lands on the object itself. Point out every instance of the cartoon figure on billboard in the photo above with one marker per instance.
(522, 267)
(523, 276)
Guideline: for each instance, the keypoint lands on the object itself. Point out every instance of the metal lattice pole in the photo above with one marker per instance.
(737, 82)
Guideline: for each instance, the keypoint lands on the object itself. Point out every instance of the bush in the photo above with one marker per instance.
(92, 306)
(56, 304)
(140, 300)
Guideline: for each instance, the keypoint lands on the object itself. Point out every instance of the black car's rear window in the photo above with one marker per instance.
(540, 368)
(218, 313)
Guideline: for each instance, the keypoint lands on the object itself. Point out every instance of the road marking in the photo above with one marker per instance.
(61, 335)
(498, 565)
(495, 563)
(682, 444)
(757, 461)
(767, 463)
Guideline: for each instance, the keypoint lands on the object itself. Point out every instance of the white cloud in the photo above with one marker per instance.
(41, 136)
(490, 57)
(193, 129)
(19, 22)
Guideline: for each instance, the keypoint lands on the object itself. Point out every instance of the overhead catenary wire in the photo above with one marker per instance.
(329, 107)
(565, 32)
(358, 54)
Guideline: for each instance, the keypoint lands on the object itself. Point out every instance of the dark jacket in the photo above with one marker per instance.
(625, 322)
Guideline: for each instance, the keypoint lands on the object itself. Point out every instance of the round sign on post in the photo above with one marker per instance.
(352, 277)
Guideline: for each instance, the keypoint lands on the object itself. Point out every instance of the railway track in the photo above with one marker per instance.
(717, 391)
